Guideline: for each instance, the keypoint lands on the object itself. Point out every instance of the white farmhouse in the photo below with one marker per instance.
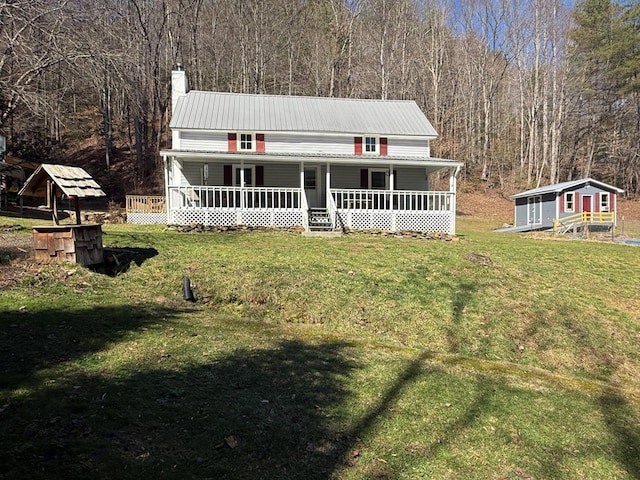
(318, 163)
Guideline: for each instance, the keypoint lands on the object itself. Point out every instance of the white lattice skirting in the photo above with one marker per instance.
(146, 218)
(393, 221)
(253, 218)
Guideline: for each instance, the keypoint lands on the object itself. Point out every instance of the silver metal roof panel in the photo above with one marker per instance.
(273, 113)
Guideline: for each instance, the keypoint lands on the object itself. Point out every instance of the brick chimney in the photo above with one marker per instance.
(179, 85)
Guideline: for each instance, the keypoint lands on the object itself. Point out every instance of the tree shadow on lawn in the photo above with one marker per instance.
(255, 414)
(31, 341)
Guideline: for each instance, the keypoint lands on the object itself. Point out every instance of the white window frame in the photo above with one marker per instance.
(242, 141)
(237, 167)
(605, 202)
(366, 145)
(572, 202)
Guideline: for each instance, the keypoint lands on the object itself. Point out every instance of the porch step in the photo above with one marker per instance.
(319, 220)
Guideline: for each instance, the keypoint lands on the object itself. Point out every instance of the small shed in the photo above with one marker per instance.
(584, 202)
(73, 243)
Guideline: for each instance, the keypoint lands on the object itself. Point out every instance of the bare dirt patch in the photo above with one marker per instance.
(488, 206)
(16, 257)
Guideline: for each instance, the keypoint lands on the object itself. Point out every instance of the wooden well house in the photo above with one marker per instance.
(77, 243)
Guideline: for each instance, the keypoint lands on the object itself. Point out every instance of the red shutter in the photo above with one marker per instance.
(357, 145)
(596, 207)
(232, 140)
(612, 201)
(228, 175)
(577, 208)
(383, 146)
(260, 175)
(364, 178)
(260, 142)
(561, 197)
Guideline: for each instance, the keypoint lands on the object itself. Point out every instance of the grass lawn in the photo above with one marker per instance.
(351, 358)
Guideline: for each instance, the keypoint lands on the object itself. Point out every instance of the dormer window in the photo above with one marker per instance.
(246, 142)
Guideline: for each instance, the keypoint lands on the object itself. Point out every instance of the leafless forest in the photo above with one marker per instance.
(525, 92)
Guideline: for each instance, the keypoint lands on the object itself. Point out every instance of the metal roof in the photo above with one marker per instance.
(71, 181)
(280, 113)
(560, 187)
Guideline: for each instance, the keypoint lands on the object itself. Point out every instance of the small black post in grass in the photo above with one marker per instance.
(187, 292)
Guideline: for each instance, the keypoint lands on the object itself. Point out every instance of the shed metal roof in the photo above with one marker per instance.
(561, 187)
(72, 182)
(280, 113)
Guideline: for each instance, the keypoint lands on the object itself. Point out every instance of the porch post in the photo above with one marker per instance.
(167, 203)
(242, 193)
(327, 183)
(453, 172)
(302, 192)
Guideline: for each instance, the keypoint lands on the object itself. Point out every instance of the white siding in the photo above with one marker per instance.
(400, 147)
(317, 144)
(345, 177)
(287, 176)
(411, 179)
(192, 173)
(406, 178)
(204, 141)
(291, 143)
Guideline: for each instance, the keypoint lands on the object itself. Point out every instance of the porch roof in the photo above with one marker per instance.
(314, 158)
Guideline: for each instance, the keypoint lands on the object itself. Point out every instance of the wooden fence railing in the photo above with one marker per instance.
(145, 204)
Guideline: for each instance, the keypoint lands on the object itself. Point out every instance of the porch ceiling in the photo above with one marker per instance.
(424, 162)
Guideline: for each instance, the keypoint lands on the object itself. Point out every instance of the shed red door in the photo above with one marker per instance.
(586, 203)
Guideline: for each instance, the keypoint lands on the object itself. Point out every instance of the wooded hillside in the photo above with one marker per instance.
(525, 92)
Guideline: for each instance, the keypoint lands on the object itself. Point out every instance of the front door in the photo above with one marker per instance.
(586, 203)
(312, 187)
(534, 213)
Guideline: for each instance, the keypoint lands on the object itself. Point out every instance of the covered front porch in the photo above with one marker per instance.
(313, 192)
(289, 207)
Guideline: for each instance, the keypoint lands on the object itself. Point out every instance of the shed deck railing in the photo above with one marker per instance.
(583, 218)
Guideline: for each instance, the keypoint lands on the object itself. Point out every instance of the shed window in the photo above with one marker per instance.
(605, 205)
(569, 202)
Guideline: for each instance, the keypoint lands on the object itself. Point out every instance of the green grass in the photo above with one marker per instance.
(351, 358)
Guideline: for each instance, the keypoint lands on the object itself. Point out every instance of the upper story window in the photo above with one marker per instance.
(246, 142)
(605, 203)
(569, 201)
(370, 144)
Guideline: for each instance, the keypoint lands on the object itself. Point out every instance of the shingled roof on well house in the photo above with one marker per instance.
(280, 113)
(72, 182)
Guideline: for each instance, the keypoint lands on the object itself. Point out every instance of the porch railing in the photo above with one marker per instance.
(401, 200)
(233, 198)
(145, 204)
